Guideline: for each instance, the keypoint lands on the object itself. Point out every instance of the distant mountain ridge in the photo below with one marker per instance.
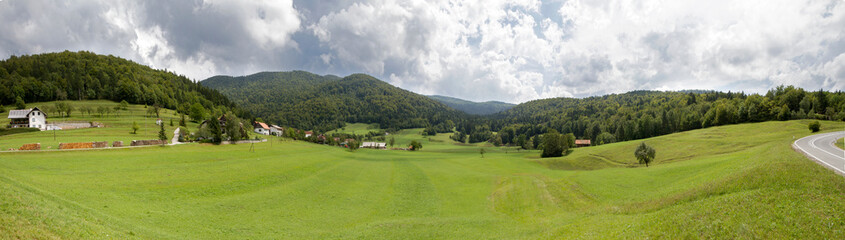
(477, 108)
(305, 100)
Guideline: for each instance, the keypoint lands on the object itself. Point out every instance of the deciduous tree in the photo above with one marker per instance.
(135, 127)
(644, 153)
(552, 144)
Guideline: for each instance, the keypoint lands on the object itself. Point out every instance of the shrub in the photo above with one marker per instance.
(814, 126)
(415, 145)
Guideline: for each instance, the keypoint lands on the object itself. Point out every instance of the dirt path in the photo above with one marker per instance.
(175, 139)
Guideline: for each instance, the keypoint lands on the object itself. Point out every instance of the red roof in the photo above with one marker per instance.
(309, 132)
(582, 142)
(263, 125)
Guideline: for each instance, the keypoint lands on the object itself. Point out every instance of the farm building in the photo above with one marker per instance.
(582, 142)
(308, 133)
(276, 130)
(32, 118)
(374, 145)
(261, 128)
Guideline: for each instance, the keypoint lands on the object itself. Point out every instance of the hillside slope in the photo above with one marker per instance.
(477, 108)
(88, 76)
(643, 114)
(309, 101)
(737, 182)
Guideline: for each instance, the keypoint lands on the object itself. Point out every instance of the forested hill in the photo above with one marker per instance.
(305, 100)
(643, 114)
(477, 108)
(85, 75)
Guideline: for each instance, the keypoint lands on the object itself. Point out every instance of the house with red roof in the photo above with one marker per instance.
(261, 128)
(582, 143)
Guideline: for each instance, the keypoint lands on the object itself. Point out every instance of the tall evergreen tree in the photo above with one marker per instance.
(161, 134)
(215, 130)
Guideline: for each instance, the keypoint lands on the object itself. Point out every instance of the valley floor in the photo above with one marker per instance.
(739, 181)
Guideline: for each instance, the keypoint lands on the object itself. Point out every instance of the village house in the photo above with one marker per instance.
(308, 133)
(31, 118)
(276, 130)
(261, 128)
(374, 145)
(582, 142)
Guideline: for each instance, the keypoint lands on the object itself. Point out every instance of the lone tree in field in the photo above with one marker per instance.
(481, 151)
(161, 135)
(135, 127)
(814, 126)
(644, 154)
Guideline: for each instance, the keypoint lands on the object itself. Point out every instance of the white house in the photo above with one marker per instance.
(374, 145)
(261, 128)
(33, 118)
(276, 130)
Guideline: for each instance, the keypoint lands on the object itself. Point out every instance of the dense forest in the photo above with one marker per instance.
(85, 75)
(308, 101)
(643, 114)
(477, 108)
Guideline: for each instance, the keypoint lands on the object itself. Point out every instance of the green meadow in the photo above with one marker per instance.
(737, 181)
(117, 125)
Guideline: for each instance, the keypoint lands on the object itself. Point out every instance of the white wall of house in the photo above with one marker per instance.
(37, 119)
(275, 131)
(262, 131)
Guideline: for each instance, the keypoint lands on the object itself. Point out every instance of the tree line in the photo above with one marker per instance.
(644, 114)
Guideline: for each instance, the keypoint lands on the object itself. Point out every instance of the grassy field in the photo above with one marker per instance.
(740, 181)
(841, 143)
(357, 128)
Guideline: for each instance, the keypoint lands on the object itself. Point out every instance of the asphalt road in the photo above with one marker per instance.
(820, 148)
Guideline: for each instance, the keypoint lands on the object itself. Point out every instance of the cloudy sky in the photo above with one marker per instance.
(504, 50)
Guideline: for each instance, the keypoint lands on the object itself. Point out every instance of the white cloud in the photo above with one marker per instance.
(509, 50)
(198, 39)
